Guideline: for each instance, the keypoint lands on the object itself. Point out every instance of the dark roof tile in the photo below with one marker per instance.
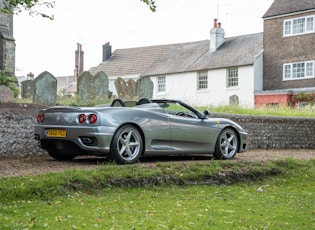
(283, 7)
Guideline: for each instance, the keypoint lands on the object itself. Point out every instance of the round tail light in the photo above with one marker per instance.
(82, 118)
(92, 118)
(40, 118)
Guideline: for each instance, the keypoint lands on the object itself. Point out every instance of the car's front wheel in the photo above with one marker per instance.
(226, 145)
(127, 145)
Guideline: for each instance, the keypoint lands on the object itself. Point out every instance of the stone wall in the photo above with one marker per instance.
(16, 129)
(17, 121)
(273, 132)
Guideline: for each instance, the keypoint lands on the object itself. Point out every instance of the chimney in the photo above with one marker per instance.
(215, 23)
(107, 51)
(216, 36)
(79, 60)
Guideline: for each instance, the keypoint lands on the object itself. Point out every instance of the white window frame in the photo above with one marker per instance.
(298, 70)
(232, 79)
(161, 84)
(202, 80)
(298, 26)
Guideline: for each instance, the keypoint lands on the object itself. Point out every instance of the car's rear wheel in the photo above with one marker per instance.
(61, 156)
(127, 145)
(226, 145)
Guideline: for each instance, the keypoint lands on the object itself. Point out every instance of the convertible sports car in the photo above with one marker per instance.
(125, 131)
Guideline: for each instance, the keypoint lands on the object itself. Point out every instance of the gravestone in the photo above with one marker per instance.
(101, 84)
(27, 89)
(234, 101)
(131, 89)
(6, 94)
(85, 88)
(121, 86)
(126, 90)
(145, 87)
(45, 89)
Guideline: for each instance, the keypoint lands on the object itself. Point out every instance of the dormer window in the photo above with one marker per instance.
(297, 26)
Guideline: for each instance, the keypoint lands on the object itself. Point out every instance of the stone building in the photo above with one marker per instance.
(7, 42)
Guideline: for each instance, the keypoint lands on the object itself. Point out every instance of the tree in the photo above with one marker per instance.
(17, 6)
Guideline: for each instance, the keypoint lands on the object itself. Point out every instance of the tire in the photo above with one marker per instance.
(227, 144)
(60, 156)
(127, 145)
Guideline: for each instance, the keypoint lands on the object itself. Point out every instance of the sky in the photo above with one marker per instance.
(49, 45)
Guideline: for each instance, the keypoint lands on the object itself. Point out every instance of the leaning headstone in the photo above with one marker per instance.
(6, 94)
(27, 89)
(101, 84)
(45, 89)
(85, 88)
(145, 87)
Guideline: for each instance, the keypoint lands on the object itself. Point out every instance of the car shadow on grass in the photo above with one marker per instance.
(93, 160)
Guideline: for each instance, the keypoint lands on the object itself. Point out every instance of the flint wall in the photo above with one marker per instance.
(267, 132)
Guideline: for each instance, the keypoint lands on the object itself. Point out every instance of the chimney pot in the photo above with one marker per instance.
(215, 23)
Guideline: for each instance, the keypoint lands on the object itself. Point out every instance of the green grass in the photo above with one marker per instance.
(194, 195)
(265, 111)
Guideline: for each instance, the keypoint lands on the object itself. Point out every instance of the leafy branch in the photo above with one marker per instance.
(151, 4)
(17, 6)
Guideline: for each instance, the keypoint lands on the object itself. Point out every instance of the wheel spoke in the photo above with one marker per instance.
(230, 140)
(122, 141)
(122, 150)
(129, 152)
(128, 137)
(134, 144)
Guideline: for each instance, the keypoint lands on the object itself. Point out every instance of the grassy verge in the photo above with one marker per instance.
(206, 195)
(265, 111)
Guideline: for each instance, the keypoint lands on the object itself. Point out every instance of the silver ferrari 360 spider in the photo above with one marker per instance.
(125, 132)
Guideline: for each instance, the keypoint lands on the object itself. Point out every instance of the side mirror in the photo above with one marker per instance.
(206, 114)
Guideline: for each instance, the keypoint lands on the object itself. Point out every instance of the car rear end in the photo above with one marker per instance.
(72, 129)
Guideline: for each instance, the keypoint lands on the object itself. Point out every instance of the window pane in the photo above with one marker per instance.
(310, 24)
(298, 25)
(203, 80)
(232, 78)
(298, 70)
(161, 84)
(287, 28)
(287, 71)
(309, 69)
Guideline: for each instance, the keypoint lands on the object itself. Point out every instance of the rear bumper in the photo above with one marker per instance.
(88, 139)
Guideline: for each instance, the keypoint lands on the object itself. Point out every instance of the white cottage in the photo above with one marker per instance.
(219, 71)
(223, 71)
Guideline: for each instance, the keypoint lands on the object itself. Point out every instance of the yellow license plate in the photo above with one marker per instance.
(57, 133)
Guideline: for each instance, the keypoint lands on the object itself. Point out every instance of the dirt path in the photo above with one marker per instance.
(19, 166)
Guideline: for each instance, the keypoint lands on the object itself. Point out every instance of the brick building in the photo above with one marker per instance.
(289, 54)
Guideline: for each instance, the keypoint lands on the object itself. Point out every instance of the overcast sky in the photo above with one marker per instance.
(45, 45)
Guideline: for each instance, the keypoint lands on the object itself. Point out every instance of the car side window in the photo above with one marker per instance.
(177, 109)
